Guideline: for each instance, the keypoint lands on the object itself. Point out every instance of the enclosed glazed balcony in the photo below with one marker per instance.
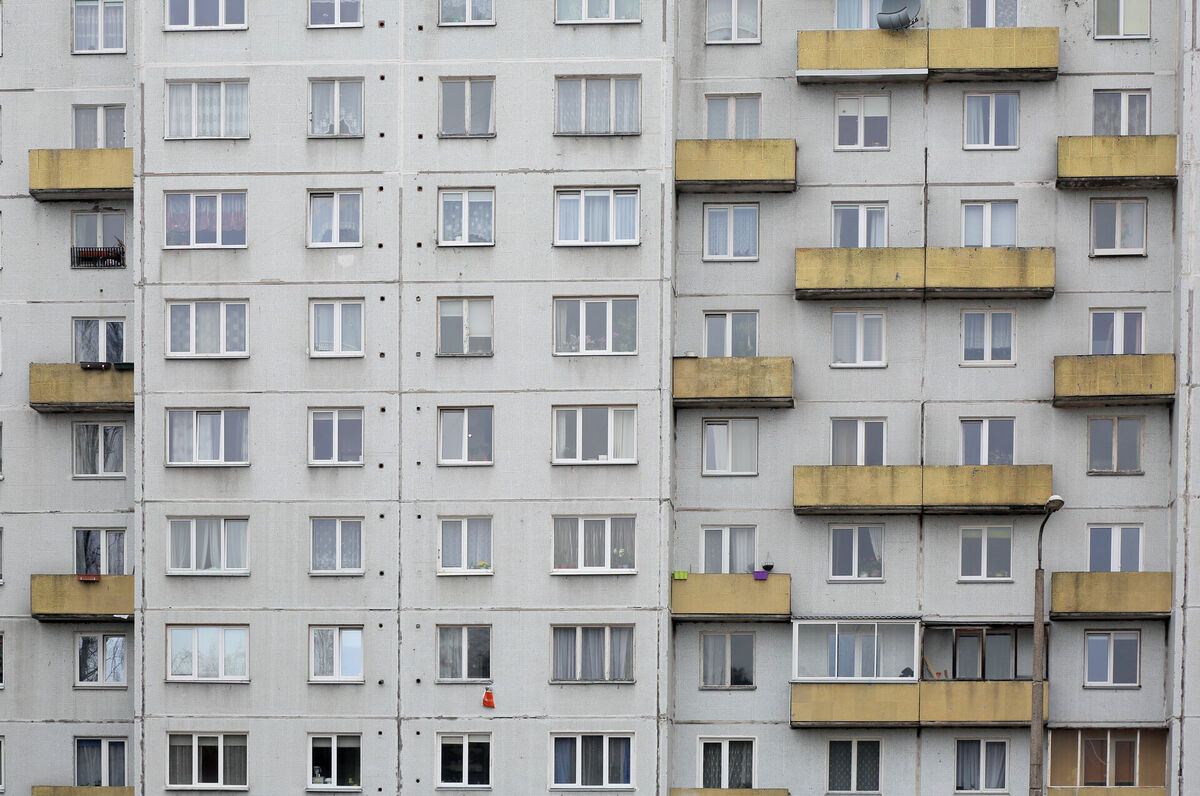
(913, 489)
(1108, 761)
(994, 489)
(721, 597)
(867, 273)
(79, 790)
(729, 792)
(1114, 380)
(71, 387)
(80, 174)
(81, 598)
(1116, 161)
(855, 704)
(735, 165)
(989, 272)
(1110, 595)
(979, 703)
(733, 381)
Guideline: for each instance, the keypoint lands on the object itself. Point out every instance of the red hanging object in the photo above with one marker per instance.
(489, 701)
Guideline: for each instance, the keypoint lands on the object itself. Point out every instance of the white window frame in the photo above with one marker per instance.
(222, 675)
(728, 322)
(222, 25)
(339, 345)
(101, 644)
(611, 19)
(991, 95)
(337, 23)
(225, 352)
(101, 123)
(469, 88)
(469, 21)
(990, 15)
(1116, 531)
(333, 741)
(221, 462)
(100, 471)
(1116, 444)
(608, 568)
(192, 244)
(338, 82)
(104, 542)
(733, 28)
(1121, 34)
(1118, 314)
(336, 422)
(612, 216)
(837, 623)
(854, 742)
(466, 201)
(604, 762)
(866, 20)
(1125, 94)
(105, 772)
(336, 677)
(225, 569)
(465, 648)
(983, 554)
(336, 231)
(859, 338)
(861, 138)
(1110, 651)
(465, 569)
(339, 541)
(987, 222)
(100, 48)
(863, 209)
(195, 114)
(857, 577)
(729, 232)
(583, 301)
(465, 303)
(99, 214)
(608, 652)
(578, 409)
(731, 116)
(583, 80)
(705, 469)
(466, 461)
(727, 675)
(987, 361)
(860, 455)
(984, 438)
(465, 739)
(194, 783)
(725, 546)
(1121, 208)
(102, 336)
(1109, 753)
(983, 743)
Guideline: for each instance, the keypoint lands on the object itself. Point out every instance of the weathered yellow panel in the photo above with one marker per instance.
(69, 388)
(66, 597)
(736, 164)
(836, 489)
(733, 381)
(80, 173)
(1110, 594)
(724, 596)
(729, 792)
(1116, 160)
(855, 704)
(995, 488)
(1114, 380)
(976, 272)
(978, 702)
(859, 273)
(1114, 791)
(72, 790)
(875, 51)
(993, 50)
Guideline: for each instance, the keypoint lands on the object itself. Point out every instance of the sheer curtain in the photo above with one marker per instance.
(621, 641)
(564, 761)
(875, 537)
(181, 544)
(1004, 224)
(621, 542)
(593, 543)
(592, 654)
(845, 442)
(208, 109)
(627, 106)
(973, 225)
(479, 217)
(86, 133)
(711, 765)
(568, 217)
(349, 216)
(626, 215)
(599, 113)
(87, 445)
(116, 764)
(741, 550)
(1106, 113)
(718, 117)
(876, 226)
(1139, 111)
(619, 753)
(351, 117)
(624, 434)
(744, 435)
(235, 760)
(452, 544)
(570, 101)
(747, 19)
(564, 653)
(324, 544)
(741, 764)
(1007, 116)
(745, 232)
(208, 543)
(450, 652)
(114, 24)
(714, 659)
(718, 231)
(565, 425)
(87, 25)
(322, 107)
(596, 212)
(180, 425)
(967, 766)
(979, 120)
(179, 219)
(746, 117)
(235, 544)
(994, 774)
(233, 219)
(237, 109)
(179, 760)
(88, 768)
(479, 542)
(1006, 13)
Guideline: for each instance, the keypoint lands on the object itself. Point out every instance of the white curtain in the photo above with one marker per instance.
(1004, 224)
(450, 653)
(1007, 117)
(479, 216)
(876, 226)
(718, 117)
(179, 103)
(720, 20)
(350, 218)
(747, 18)
(744, 435)
(994, 773)
(711, 765)
(845, 337)
(235, 544)
(594, 550)
(570, 103)
(973, 225)
(114, 24)
(741, 550)
(236, 438)
(713, 652)
(745, 231)
(564, 653)
(481, 9)
(87, 340)
(87, 449)
(1139, 111)
(875, 534)
(322, 107)
(627, 106)
(741, 764)
(621, 641)
(88, 767)
(718, 231)
(592, 654)
(237, 109)
(351, 327)
(845, 442)
(321, 222)
(626, 216)
(1133, 221)
(208, 109)
(746, 117)
(596, 216)
(565, 425)
(87, 134)
(181, 544)
(979, 120)
(479, 542)
(716, 446)
(621, 542)
(1106, 113)
(569, 10)
(351, 116)
(624, 434)
(235, 327)
(235, 760)
(452, 544)
(180, 425)
(599, 113)
(87, 25)
(208, 327)
(208, 435)
(233, 219)
(324, 544)
(323, 332)
(568, 217)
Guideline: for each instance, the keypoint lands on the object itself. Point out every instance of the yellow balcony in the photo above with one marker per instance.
(855, 704)
(1114, 380)
(996, 489)
(753, 164)
(1116, 161)
(72, 790)
(964, 703)
(881, 272)
(1110, 595)
(994, 53)
(838, 489)
(74, 174)
(733, 381)
(729, 792)
(1149, 773)
(67, 598)
(995, 272)
(741, 597)
(830, 56)
(70, 388)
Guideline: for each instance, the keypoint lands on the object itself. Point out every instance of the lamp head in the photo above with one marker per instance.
(1054, 503)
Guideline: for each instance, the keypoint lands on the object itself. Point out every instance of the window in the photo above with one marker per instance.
(992, 13)
(208, 545)
(1, 686)
(730, 549)
(733, 116)
(599, 105)
(1114, 445)
(988, 338)
(335, 219)
(185, 14)
(992, 121)
(99, 26)
(858, 441)
(1120, 113)
(335, 436)
(99, 339)
(1122, 19)
(337, 328)
(1108, 758)
(1118, 227)
(464, 652)
(593, 653)
(990, 224)
(100, 762)
(857, 226)
(856, 552)
(598, 11)
(730, 447)
(99, 450)
(595, 434)
(208, 110)
(1117, 331)
(467, 12)
(99, 230)
(858, 338)
(726, 660)
(101, 660)
(336, 546)
(335, 762)
(205, 220)
(466, 546)
(730, 334)
(862, 122)
(207, 436)
(466, 435)
(464, 327)
(596, 217)
(335, 14)
(981, 765)
(858, 14)
(1114, 548)
(467, 106)
(985, 553)
(209, 761)
(595, 326)
(206, 329)
(99, 551)
(731, 232)
(207, 652)
(337, 653)
(857, 649)
(987, 440)
(990, 652)
(593, 761)
(335, 109)
(466, 218)
(854, 766)
(606, 544)
(732, 22)
(464, 759)
(1112, 658)
(99, 126)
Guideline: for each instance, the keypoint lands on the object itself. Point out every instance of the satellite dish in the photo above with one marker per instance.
(898, 14)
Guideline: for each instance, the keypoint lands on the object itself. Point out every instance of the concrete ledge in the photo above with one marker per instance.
(1116, 161)
(1114, 380)
(825, 56)
(729, 165)
(65, 598)
(993, 53)
(729, 792)
(733, 381)
(842, 489)
(856, 704)
(1110, 595)
(994, 489)
(866, 273)
(913, 489)
(74, 790)
(992, 272)
(979, 703)
(67, 387)
(723, 597)
(75, 174)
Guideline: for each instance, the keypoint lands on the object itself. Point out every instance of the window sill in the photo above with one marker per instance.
(708, 474)
(862, 149)
(728, 688)
(597, 21)
(207, 681)
(335, 464)
(590, 245)
(592, 682)
(464, 245)
(465, 464)
(207, 356)
(333, 789)
(194, 28)
(337, 26)
(1116, 472)
(630, 134)
(205, 247)
(969, 148)
(463, 787)
(907, 680)
(217, 574)
(331, 681)
(574, 463)
(857, 365)
(206, 465)
(206, 137)
(207, 787)
(103, 687)
(121, 51)
(327, 573)
(311, 245)
(1096, 254)
(78, 477)
(463, 681)
(856, 580)
(319, 136)
(1009, 364)
(465, 356)
(358, 355)
(1118, 38)
(491, 23)
(1113, 686)
(595, 353)
(728, 259)
(573, 573)
(467, 573)
(592, 788)
(464, 136)
(985, 580)
(740, 41)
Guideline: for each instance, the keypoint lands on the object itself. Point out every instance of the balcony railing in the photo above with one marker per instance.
(67, 598)
(1116, 161)
(97, 256)
(916, 489)
(74, 387)
(79, 174)
(732, 596)
(751, 164)
(733, 381)
(1110, 595)
(1114, 380)
(947, 703)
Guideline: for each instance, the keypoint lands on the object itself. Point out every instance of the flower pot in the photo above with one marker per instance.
(760, 574)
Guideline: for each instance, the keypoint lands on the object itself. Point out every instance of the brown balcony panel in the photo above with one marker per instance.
(855, 704)
(65, 598)
(733, 381)
(79, 174)
(1000, 489)
(993, 272)
(1110, 595)
(736, 165)
(869, 273)
(1114, 380)
(839, 56)
(1116, 161)
(1094, 790)
(838, 489)
(968, 703)
(71, 388)
(1150, 771)
(993, 54)
(722, 597)
(729, 792)
(76, 790)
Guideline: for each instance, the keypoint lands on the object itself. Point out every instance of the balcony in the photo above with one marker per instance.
(740, 165)
(880, 272)
(913, 489)
(855, 704)
(979, 703)
(733, 381)
(80, 174)
(993, 53)
(996, 489)
(1110, 595)
(97, 256)
(993, 272)
(70, 387)
(1116, 161)
(73, 790)
(1114, 380)
(729, 792)
(66, 598)
(1139, 755)
(722, 597)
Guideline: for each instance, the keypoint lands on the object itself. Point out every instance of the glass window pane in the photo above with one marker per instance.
(1100, 444)
(1131, 549)
(1097, 658)
(454, 107)
(481, 107)
(971, 558)
(1100, 550)
(452, 435)
(1104, 225)
(1129, 443)
(999, 552)
(718, 117)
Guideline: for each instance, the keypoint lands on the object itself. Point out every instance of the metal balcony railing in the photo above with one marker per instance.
(97, 256)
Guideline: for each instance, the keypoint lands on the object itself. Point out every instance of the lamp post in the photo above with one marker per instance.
(1037, 727)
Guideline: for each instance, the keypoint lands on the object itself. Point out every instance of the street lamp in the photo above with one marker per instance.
(1037, 727)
